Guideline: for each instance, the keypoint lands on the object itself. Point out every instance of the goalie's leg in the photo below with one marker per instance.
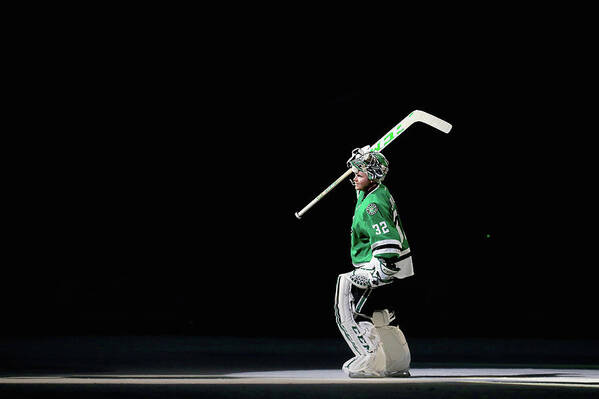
(394, 344)
(368, 360)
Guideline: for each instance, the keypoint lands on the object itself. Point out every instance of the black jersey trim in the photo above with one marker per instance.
(385, 246)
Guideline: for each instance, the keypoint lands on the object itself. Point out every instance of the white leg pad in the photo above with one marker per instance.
(366, 366)
(357, 335)
(370, 364)
(397, 352)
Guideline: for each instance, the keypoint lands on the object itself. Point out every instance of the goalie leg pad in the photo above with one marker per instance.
(356, 336)
(371, 365)
(395, 346)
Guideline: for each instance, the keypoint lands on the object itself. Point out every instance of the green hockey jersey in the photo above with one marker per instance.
(376, 228)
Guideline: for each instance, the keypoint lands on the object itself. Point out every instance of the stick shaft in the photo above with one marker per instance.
(325, 192)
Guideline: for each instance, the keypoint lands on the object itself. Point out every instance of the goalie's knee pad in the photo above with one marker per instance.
(395, 346)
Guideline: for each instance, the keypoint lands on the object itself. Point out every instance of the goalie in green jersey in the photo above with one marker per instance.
(380, 254)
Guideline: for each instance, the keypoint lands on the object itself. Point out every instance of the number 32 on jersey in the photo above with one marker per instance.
(380, 228)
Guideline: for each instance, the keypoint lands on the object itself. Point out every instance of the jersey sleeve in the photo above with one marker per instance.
(384, 236)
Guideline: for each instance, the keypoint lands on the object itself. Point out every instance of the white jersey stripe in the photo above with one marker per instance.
(385, 242)
(386, 251)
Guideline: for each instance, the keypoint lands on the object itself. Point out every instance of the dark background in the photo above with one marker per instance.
(156, 171)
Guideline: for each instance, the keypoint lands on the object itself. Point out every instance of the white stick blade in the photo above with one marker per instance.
(431, 120)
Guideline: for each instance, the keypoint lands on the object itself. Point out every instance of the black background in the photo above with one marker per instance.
(156, 168)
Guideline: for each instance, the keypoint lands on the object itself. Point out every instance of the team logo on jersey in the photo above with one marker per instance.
(372, 209)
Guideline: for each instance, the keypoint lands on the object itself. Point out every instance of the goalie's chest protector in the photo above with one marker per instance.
(376, 228)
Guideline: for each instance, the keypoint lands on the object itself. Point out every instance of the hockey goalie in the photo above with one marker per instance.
(380, 255)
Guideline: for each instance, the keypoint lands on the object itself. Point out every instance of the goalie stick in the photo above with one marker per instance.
(414, 116)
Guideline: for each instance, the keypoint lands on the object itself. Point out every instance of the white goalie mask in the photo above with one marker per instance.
(373, 163)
